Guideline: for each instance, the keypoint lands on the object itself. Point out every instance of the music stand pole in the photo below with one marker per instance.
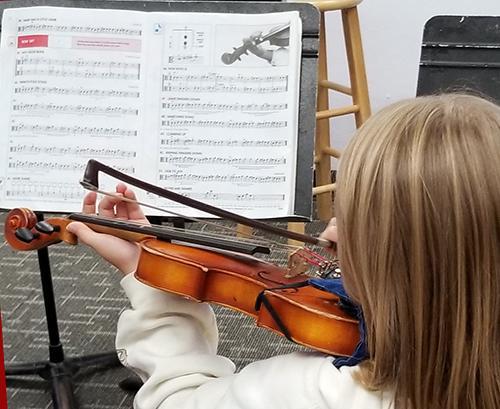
(57, 369)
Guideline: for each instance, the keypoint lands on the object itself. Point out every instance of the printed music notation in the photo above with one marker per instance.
(62, 72)
(211, 195)
(214, 76)
(214, 107)
(150, 96)
(233, 178)
(40, 165)
(242, 89)
(79, 130)
(223, 142)
(43, 166)
(38, 189)
(74, 109)
(75, 150)
(217, 160)
(77, 29)
(110, 65)
(179, 123)
(214, 82)
(100, 93)
(185, 59)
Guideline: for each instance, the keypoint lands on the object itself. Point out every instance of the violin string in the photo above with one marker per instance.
(312, 259)
(248, 237)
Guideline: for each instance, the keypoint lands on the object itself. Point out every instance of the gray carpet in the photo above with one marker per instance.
(89, 300)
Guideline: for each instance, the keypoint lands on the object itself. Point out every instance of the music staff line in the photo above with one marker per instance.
(214, 107)
(218, 160)
(223, 142)
(75, 150)
(233, 178)
(257, 197)
(179, 123)
(41, 165)
(39, 189)
(78, 29)
(216, 77)
(78, 130)
(78, 63)
(20, 72)
(75, 109)
(185, 59)
(75, 91)
(226, 88)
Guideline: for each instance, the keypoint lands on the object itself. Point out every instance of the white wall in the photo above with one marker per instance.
(392, 35)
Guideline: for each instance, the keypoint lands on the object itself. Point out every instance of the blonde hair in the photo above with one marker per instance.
(418, 214)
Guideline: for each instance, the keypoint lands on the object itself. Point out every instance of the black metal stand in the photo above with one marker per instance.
(58, 370)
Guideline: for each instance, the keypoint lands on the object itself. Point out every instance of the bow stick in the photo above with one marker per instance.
(91, 182)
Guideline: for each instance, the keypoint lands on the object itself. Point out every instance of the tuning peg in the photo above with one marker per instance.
(47, 228)
(26, 235)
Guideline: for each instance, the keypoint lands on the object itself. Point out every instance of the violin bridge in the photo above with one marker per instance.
(302, 259)
(297, 264)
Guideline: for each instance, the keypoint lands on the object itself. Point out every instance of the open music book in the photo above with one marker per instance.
(172, 98)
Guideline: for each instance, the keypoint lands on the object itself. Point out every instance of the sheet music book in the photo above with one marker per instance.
(162, 96)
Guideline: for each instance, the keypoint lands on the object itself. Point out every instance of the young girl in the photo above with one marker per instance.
(418, 225)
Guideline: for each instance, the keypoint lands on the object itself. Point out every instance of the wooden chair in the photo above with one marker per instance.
(358, 90)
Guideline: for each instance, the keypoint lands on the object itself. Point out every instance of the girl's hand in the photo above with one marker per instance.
(121, 253)
(330, 233)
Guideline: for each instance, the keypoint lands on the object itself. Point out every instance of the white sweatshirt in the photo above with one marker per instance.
(171, 343)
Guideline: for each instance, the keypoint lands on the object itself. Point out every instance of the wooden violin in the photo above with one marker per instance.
(304, 314)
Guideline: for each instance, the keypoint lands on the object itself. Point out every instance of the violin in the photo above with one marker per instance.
(231, 277)
(277, 36)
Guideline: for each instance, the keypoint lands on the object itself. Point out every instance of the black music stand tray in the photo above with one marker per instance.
(461, 54)
(60, 370)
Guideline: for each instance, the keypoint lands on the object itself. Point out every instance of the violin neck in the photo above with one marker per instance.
(138, 232)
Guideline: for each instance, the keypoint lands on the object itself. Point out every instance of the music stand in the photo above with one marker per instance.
(60, 370)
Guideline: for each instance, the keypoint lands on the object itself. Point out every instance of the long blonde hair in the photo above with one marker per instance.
(418, 214)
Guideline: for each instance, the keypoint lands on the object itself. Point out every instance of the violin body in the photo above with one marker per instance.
(311, 316)
(306, 315)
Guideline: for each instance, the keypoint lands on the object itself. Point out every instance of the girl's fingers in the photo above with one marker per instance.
(89, 202)
(128, 210)
(121, 208)
(106, 206)
(134, 210)
(330, 232)
(112, 207)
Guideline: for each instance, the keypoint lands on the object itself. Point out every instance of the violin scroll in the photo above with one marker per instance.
(229, 58)
(24, 232)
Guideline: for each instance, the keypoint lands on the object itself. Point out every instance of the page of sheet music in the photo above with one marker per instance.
(228, 122)
(156, 95)
(75, 93)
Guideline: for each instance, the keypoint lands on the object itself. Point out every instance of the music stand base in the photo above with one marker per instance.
(60, 374)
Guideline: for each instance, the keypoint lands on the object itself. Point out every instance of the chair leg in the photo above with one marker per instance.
(356, 62)
(298, 227)
(243, 231)
(323, 165)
